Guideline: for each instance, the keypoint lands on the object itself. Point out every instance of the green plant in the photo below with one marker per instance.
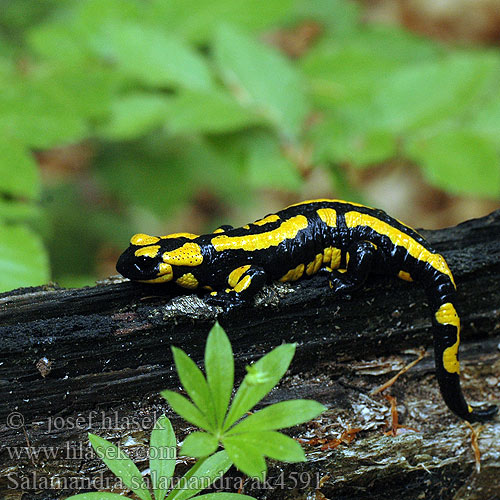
(169, 97)
(249, 440)
(162, 464)
(246, 442)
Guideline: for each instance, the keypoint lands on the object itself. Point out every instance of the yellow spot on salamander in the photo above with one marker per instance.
(188, 254)
(287, 230)
(143, 239)
(234, 276)
(415, 249)
(243, 284)
(262, 222)
(187, 281)
(447, 315)
(219, 230)
(149, 251)
(314, 266)
(165, 274)
(294, 274)
(336, 258)
(328, 216)
(190, 236)
(267, 220)
(405, 276)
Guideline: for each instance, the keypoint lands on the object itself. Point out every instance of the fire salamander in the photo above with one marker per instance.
(343, 240)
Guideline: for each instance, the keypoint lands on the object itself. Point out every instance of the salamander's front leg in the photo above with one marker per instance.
(359, 263)
(243, 283)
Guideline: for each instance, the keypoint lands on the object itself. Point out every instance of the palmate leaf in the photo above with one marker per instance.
(271, 444)
(262, 377)
(201, 476)
(247, 457)
(121, 466)
(219, 366)
(195, 384)
(279, 416)
(186, 409)
(199, 444)
(162, 456)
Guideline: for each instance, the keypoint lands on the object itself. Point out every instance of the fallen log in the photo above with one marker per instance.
(95, 359)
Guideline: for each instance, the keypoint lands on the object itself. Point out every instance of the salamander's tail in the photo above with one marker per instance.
(446, 342)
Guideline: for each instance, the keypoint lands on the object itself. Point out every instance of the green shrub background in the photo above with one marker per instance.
(172, 98)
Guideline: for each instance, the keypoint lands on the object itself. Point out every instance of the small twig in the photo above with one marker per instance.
(474, 437)
(383, 387)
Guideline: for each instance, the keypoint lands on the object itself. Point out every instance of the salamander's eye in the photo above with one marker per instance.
(139, 263)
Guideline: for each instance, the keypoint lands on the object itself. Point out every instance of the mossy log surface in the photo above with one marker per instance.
(95, 359)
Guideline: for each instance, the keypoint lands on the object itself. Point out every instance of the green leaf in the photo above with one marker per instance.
(162, 456)
(18, 211)
(135, 114)
(18, 170)
(121, 466)
(261, 378)
(97, 495)
(338, 17)
(138, 173)
(201, 476)
(186, 409)
(348, 70)
(486, 120)
(43, 120)
(279, 416)
(458, 161)
(261, 78)
(219, 367)
(267, 165)
(272, 444)
(59, 42)
(177, 15)
(152, 56)
(426, 93)
(207, 112)
(344, 139)
(23, 258)
(199, 444)
(195, 384)
(247, 457)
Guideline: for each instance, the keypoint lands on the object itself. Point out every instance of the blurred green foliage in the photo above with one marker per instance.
(178, 96)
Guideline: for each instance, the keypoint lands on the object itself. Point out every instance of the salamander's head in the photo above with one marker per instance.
(155, 259)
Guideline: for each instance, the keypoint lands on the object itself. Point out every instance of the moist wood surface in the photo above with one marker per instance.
(96, 358)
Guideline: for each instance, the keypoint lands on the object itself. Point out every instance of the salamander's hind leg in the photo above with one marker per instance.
(359, 259)
(243, 283)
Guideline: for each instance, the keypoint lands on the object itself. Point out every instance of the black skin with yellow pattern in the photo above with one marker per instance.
(341, 240)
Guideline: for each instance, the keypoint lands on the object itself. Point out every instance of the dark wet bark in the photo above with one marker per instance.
(106, 349)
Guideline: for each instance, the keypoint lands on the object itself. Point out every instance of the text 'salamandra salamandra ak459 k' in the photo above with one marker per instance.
(344, 240)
